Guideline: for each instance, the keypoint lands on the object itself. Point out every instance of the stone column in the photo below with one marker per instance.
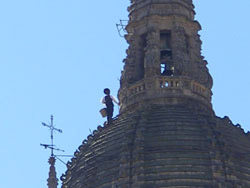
(152, 55)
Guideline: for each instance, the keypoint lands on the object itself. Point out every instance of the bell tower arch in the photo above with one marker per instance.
(164, 62)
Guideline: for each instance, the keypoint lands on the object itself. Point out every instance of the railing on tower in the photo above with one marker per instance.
(164, 87)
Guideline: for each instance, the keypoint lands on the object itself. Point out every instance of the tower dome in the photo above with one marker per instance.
(167, 134)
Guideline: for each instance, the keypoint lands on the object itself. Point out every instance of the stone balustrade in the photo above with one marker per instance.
(169, 82)
(184, 83)
(165, 87)
(135, 89)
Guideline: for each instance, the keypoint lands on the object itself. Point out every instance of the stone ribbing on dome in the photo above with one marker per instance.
(235, 152)
(163, 146)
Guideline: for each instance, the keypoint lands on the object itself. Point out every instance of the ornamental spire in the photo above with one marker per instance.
(52, 180)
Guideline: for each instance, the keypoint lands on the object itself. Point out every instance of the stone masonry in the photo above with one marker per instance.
(167, 134)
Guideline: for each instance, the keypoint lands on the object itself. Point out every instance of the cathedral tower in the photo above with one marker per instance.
(166, 134)
(164, 63)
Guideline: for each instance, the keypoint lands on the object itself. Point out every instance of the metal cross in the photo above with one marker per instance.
(52, 130)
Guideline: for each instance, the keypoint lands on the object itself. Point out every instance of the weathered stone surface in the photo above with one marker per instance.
(181, 149)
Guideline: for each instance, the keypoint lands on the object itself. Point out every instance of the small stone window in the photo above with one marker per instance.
(165, 40)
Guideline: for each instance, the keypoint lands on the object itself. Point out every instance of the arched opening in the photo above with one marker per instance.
(167, 68)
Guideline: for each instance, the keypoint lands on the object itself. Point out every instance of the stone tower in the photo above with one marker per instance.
(164, 63)
(167, 134)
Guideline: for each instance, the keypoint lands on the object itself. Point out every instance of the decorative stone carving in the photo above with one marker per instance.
(180, 51)
(196, 47)
(202, 74)
(152, 56)
(129, 67)
(52, 180)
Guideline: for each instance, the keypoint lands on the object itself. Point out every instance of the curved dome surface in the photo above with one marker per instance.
(163, 146)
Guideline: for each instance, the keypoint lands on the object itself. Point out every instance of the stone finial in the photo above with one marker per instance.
(52, 180)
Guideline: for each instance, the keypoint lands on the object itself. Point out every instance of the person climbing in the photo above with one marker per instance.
(108, 101)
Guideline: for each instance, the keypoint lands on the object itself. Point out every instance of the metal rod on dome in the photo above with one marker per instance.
(121, 27)
(60, 160)
(65, 155)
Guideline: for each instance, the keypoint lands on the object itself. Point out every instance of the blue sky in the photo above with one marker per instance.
(56, 56)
